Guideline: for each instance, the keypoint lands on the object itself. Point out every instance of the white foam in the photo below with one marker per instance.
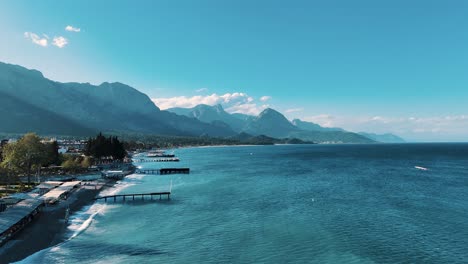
(421, 168)
(135, 176)
(84, 225)
(129, 180)
(80, 221)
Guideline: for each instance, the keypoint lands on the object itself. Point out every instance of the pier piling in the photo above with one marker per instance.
(124, 196)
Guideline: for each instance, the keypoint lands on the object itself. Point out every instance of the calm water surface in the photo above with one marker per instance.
(285, 204)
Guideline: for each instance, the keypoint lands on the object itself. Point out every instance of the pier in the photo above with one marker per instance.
(158, 155)
(164, 171)
(157, 160)
(133, 195)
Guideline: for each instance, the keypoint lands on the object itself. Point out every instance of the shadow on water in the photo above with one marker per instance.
(123, 249)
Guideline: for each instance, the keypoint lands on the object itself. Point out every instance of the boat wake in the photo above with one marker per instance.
(421, 168)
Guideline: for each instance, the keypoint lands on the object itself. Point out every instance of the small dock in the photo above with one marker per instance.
(125, 197)
(157, 160)
(160, 155)
(164, 171)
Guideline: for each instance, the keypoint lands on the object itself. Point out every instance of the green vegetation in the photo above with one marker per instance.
(142, 141)
(26, 155)
(105, 148)
(75, 164)
(29, 155)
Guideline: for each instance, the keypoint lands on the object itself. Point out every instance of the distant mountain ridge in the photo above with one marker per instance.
(208, 114)
(17, 120)
(107, 107)
(272, 123)
(384, 138)
(32, 103)
(309, 126)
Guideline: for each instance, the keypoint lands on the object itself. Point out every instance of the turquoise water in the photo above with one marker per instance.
(285, 204)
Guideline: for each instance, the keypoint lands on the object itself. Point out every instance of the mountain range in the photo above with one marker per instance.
(274, 124)
(87, 108)
(385, 138)
(31, 102)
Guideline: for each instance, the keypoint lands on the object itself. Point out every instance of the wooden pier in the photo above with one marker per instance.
(161, 156)
(164, 171)
(133, 195)
(157, 160)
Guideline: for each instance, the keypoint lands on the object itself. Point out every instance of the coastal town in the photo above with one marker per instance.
(40, 177)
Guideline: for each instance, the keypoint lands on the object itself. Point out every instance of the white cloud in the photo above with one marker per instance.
(201, 90)
(248, 109)
(294, 110)
(60, 42)
(36, 39)
(72, 29)
(323, 120)
(265, 98)
(232, 102)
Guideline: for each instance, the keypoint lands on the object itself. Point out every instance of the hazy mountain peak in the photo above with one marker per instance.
(272, 114)
(384, 138)
(269, 111)
(208, 114)
(217, 108)
(310, 126)
(271, 123)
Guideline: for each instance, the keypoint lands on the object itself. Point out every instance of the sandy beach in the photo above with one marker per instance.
(49, 228)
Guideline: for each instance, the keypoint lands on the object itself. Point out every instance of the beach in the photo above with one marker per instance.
(49, 227)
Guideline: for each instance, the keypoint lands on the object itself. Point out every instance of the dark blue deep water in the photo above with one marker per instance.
(285, 204)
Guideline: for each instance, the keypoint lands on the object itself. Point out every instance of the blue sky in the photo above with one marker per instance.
(380, 66)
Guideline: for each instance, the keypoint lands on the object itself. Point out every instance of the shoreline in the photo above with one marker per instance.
(241, 146)
(49, 228)
(218, 146)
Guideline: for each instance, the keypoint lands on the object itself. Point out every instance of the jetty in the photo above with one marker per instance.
(157, 160)
(164, 171)
(160, 155)
(133, 195)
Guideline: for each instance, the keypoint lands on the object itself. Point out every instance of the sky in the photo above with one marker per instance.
(375, 66)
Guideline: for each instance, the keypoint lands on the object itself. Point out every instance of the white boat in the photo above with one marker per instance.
(421, 168)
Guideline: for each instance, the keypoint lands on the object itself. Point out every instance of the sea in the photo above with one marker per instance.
(376, 203)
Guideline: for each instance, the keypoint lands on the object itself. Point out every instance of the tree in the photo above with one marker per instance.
(71, 163)
(102, 147)
(3, 174)
(86, 163)
(6, 175)
(53, 157)
(26, 154)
